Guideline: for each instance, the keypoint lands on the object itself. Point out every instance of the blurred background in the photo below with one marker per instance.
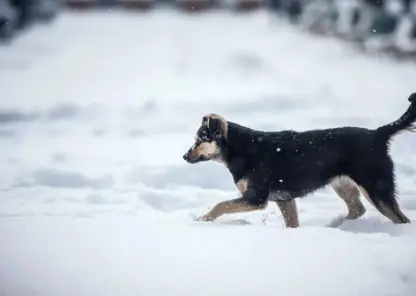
(382, 26)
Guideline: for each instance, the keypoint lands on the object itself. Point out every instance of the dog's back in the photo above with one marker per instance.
(301, 162)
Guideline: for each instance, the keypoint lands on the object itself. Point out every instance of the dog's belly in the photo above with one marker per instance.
(277, 195)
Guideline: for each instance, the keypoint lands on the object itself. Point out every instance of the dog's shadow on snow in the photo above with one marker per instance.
(235, 222)
(232, 222)
(375, 225)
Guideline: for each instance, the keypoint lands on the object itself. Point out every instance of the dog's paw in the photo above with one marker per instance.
(205, 218)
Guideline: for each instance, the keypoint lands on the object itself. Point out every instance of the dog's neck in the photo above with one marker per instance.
(234, 148)
(237, 137)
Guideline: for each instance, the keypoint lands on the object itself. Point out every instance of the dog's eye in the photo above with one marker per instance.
(204, 136)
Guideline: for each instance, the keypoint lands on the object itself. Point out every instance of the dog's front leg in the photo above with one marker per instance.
(237, 205)
(289, 212)
(254, 197)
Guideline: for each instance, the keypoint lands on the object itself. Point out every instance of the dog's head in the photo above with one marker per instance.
(208, 140)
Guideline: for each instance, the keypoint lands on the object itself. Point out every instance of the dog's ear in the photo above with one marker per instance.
(216, 124)
(206, 120)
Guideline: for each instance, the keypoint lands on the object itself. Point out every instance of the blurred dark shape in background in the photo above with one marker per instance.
(17, 15)
(374, 26)
(386, 26)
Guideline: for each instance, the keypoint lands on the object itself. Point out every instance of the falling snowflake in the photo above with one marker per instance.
(278, 149)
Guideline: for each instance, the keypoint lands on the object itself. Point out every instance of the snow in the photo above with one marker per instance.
(95, 114)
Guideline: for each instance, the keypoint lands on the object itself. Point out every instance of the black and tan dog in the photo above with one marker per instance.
(285, 165)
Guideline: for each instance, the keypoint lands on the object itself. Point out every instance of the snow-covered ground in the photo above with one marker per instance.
(96, 112)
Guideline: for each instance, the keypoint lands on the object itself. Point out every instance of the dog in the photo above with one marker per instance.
(281, 166)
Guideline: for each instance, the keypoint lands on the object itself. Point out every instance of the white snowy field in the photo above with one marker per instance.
(96, 112)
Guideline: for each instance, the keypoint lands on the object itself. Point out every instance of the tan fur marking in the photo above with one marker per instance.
(348, 191)
(383, 209)
(227, 207)
(388, 212)
(289, 211)
(242, 185)
(206, 149)
(366, 195)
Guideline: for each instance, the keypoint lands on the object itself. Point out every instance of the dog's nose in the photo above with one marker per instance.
(186, 156)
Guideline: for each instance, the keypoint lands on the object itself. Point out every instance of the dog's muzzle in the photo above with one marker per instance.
(186, 157)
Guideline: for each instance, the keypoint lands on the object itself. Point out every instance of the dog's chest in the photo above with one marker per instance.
(242, 185)
(278, 195)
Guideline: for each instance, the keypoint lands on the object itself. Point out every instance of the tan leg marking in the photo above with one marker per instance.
(242, 185)
(237, 205)
(289, 211)
(348, 191)
(366, 195)
(386, 210)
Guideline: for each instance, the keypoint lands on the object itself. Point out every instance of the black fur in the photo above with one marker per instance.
(385, 132)
(292, 164)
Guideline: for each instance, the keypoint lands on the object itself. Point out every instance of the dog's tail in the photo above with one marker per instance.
(405, 122)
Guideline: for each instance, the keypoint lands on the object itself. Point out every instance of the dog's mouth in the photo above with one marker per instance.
(193, 160)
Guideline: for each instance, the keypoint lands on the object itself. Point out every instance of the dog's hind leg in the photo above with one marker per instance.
(377, 185)
(289, 211)
(384, 201)
(348, 191)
